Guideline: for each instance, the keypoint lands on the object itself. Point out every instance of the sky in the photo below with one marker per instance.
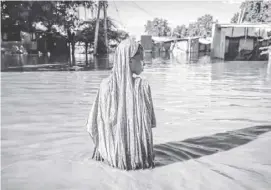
(133, 15)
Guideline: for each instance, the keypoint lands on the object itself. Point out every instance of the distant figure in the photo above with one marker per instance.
(122, 115)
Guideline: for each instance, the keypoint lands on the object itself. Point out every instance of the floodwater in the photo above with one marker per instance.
(213, 125)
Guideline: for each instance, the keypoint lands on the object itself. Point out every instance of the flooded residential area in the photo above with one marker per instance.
(44, 116)
(212, 104)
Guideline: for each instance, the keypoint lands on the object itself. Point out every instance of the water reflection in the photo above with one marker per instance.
(83, 62)
(66, 63)
(55, 63)
(45, 112)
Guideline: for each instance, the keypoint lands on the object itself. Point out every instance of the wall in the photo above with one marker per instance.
(166, 46)
(194, 45)
(181, 46)
(246, 44)
(204, 47)
(227, 45)
(218, 41)
(146, 42)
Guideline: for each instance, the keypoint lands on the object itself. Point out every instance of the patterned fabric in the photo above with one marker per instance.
(122, 116)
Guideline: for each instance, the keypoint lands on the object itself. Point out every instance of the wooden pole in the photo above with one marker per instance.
(97, 29)
(105, 25)
(240, 16)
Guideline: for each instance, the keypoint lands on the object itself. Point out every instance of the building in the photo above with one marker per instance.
(187, 45)
(147, 43)
(166, 44)
(238, 41)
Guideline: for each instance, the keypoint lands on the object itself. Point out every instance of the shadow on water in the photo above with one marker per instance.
(193, 148)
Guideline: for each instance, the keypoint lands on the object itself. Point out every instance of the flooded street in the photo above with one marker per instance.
(45, 144)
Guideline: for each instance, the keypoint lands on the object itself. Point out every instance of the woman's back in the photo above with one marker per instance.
(122, 115)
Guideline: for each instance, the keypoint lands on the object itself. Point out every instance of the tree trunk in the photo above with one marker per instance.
(97, 29)
(73, 49)
(86, 52)
(105, 28)
(73, 44)
(86, 48)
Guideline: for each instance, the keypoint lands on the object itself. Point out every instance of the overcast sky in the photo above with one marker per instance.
(133, 15)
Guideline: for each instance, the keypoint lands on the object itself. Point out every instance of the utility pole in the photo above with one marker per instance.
(105, 25)
(97, 29)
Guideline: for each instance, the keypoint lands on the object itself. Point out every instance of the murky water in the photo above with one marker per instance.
(25, 63)
(44, 139)
(20, 63)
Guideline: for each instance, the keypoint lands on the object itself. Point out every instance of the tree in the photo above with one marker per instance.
(235, 17)
(158, 27)
(54, 15)
(202, 27)
(180, 31)
(49, 13)
(60, 14)
(193, 29)
(205, 25)
(255, 11)
(15, 13)
(87, 31)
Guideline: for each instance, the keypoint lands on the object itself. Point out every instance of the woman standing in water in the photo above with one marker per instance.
(122, 116)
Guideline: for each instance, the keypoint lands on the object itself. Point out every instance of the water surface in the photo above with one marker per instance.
(45, 144)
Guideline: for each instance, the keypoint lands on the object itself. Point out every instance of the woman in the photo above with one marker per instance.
(122, 116)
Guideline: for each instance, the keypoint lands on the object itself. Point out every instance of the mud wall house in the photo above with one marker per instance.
(237, 41)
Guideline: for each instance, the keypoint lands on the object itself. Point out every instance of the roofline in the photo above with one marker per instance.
(251, 25)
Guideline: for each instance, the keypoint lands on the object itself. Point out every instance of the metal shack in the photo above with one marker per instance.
(188, 45)
(238, 41)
